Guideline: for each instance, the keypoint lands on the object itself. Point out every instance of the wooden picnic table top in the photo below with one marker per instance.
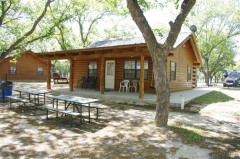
(75, 99)
(32, 91)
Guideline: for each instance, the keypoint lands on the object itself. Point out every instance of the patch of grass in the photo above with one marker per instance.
(189, 134)
(211, 97)
(186, 110)
(194, 111)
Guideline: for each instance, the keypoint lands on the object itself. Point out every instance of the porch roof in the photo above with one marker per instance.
(128, 46)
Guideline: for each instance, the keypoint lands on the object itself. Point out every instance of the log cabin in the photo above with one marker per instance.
(24, 68)
(113, 61)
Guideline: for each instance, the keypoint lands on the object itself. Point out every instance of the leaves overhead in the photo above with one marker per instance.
(57, 30)
(218, 23)
(16, 26)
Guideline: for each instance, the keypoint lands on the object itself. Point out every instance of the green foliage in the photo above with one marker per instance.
(58, 29)
(119, 31)
(67, 25)
(218, 23)
(61, 66)
(176, 2)
(160, 31)
(212, 97)
(151, 4)
(144, 3)
(17, 22)
(75, 24)
(238, 66)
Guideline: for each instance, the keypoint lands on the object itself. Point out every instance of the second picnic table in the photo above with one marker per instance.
(75, 101)
(35, 92)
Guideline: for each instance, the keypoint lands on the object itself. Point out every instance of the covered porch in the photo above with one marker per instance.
(79, 60)
(113, 61)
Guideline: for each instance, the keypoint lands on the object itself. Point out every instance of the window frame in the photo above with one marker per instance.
(40, 71)
(92, 72)
(189, 73)
(134, 72)
(12, 71)
(173, 73)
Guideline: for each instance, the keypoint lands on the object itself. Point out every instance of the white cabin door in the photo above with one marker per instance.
(110, 74)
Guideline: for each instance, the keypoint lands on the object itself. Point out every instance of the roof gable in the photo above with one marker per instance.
(34, 56)
(28, 52)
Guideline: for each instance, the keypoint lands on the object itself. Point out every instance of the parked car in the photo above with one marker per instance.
(233, 80)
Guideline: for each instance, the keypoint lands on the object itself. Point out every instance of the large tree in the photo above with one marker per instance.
(14, 24)
(72, 25)
(87, 18)
(159, 53)
(218, 23)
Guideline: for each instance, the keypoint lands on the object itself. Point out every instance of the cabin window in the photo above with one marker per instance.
(12, 70)
(189, 75)
(132, 70)
(110, 68)
(92, 69)
(173, 71)
(40, 71)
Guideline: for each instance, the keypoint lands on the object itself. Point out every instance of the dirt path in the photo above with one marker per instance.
(123, 132)
(128, 133)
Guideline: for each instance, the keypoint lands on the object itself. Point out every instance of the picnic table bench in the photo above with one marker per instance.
(14, 99)
(57, 79)
(60, 80)
(76, 102)
(50, 108)
(97, 106)
(35, 100)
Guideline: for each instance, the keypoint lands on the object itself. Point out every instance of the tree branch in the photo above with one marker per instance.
(10, 49)
(49, 33)
(90, 27)
(220, 42)
(219, 59)
(175, 27)
(62, 39)
(142, 23)
(80, 25)
(4, 11)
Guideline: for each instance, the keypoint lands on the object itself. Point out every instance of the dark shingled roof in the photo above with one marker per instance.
(137, 40)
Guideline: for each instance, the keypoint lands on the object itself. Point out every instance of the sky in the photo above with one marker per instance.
(155, 17)
(165, 17)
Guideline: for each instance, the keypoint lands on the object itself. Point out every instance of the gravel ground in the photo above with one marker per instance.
(123, 131)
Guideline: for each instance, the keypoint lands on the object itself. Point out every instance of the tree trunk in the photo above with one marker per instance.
(205, 76)
(206, 79)
(159, 53)
(162, 90)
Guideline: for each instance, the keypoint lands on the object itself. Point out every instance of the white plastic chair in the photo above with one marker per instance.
(133, 84)
(124, 85)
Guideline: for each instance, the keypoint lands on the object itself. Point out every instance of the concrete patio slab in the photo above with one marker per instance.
(132, 98)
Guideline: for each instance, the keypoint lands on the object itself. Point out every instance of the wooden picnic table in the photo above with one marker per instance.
(75, 101)
(35, 92)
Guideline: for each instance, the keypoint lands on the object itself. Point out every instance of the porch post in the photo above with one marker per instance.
(49, 74)
(141, 82)
(71, 75)
(102, 78)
